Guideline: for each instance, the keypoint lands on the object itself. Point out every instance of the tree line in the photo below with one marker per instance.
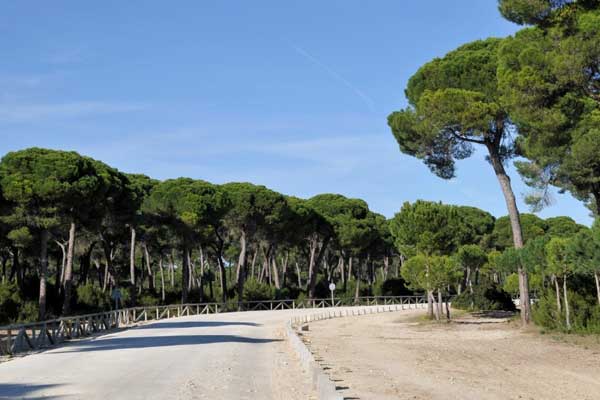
(73, 229)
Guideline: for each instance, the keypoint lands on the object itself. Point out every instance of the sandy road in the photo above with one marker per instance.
(222, 356)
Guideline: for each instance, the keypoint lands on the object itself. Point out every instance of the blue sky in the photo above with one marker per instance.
(290, 94)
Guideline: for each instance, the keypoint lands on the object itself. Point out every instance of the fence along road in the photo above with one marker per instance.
(237, 355)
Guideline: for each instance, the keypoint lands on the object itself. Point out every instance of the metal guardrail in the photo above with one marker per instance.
(37, 335)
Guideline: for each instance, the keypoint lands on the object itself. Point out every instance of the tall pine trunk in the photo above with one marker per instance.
(68, 286)
(515, 223)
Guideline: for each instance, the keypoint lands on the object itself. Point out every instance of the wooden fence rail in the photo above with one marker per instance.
(37, 335)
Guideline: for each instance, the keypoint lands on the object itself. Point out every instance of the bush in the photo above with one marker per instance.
(90, 299)
(395, 287)
(256, 291)
(10, 302)
(485, 297)
(584, 310)
(28, 312)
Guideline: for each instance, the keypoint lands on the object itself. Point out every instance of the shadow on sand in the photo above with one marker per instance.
(10, 391)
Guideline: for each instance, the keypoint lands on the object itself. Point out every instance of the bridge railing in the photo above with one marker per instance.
(37, 335)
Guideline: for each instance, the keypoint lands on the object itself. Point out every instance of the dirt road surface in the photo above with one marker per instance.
(222, 356)
(395, 356)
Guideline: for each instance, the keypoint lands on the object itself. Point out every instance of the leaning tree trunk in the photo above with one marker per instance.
(43, 274)
(567, 311)
(515, 223)
(132, 258)
(69, 271)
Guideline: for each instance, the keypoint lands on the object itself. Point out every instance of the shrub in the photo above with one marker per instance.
(485, 297)
(90, 298)
(395, 287)
(256, 291)
(585, 313)
(10, 302)
(28, 312)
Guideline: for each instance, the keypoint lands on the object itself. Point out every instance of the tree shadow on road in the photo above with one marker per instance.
(142, 342)
(194, 324)
(9, 391)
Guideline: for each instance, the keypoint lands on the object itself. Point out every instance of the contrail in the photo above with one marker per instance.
(334, 74)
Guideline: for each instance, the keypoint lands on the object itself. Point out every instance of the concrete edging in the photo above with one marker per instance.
(322, 383)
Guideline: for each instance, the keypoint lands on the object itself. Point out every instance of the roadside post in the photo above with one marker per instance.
(332, 288)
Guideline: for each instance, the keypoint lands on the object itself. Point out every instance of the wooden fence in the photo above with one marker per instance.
(37, 335)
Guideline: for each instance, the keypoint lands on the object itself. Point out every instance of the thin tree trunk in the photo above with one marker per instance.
(515, 222)
(43, 274)
(105, 281)
(597, 278)
(69, 271)
(357, 283)
(558, 307)
(284, 265)
(298, 275)
(149, 268)
(241, 269)
(222, 279)
(132, 257)
(341, 267)
(275, 273)
(162, 279)
(567, 311)
(63, 249)
(386, 267)
(429, 304)
(185, 275)
(252, 274)
(172, 270)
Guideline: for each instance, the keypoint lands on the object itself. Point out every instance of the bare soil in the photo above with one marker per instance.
(400, 356)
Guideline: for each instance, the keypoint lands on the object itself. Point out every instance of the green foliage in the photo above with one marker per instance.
(10, 303)
(549, 83)
(90, 298)
(485, 297)
(532, 226)
(585, 313)
(28, 311)
(453, 105)
(255, 291)
(395, 287)
(424, 227)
